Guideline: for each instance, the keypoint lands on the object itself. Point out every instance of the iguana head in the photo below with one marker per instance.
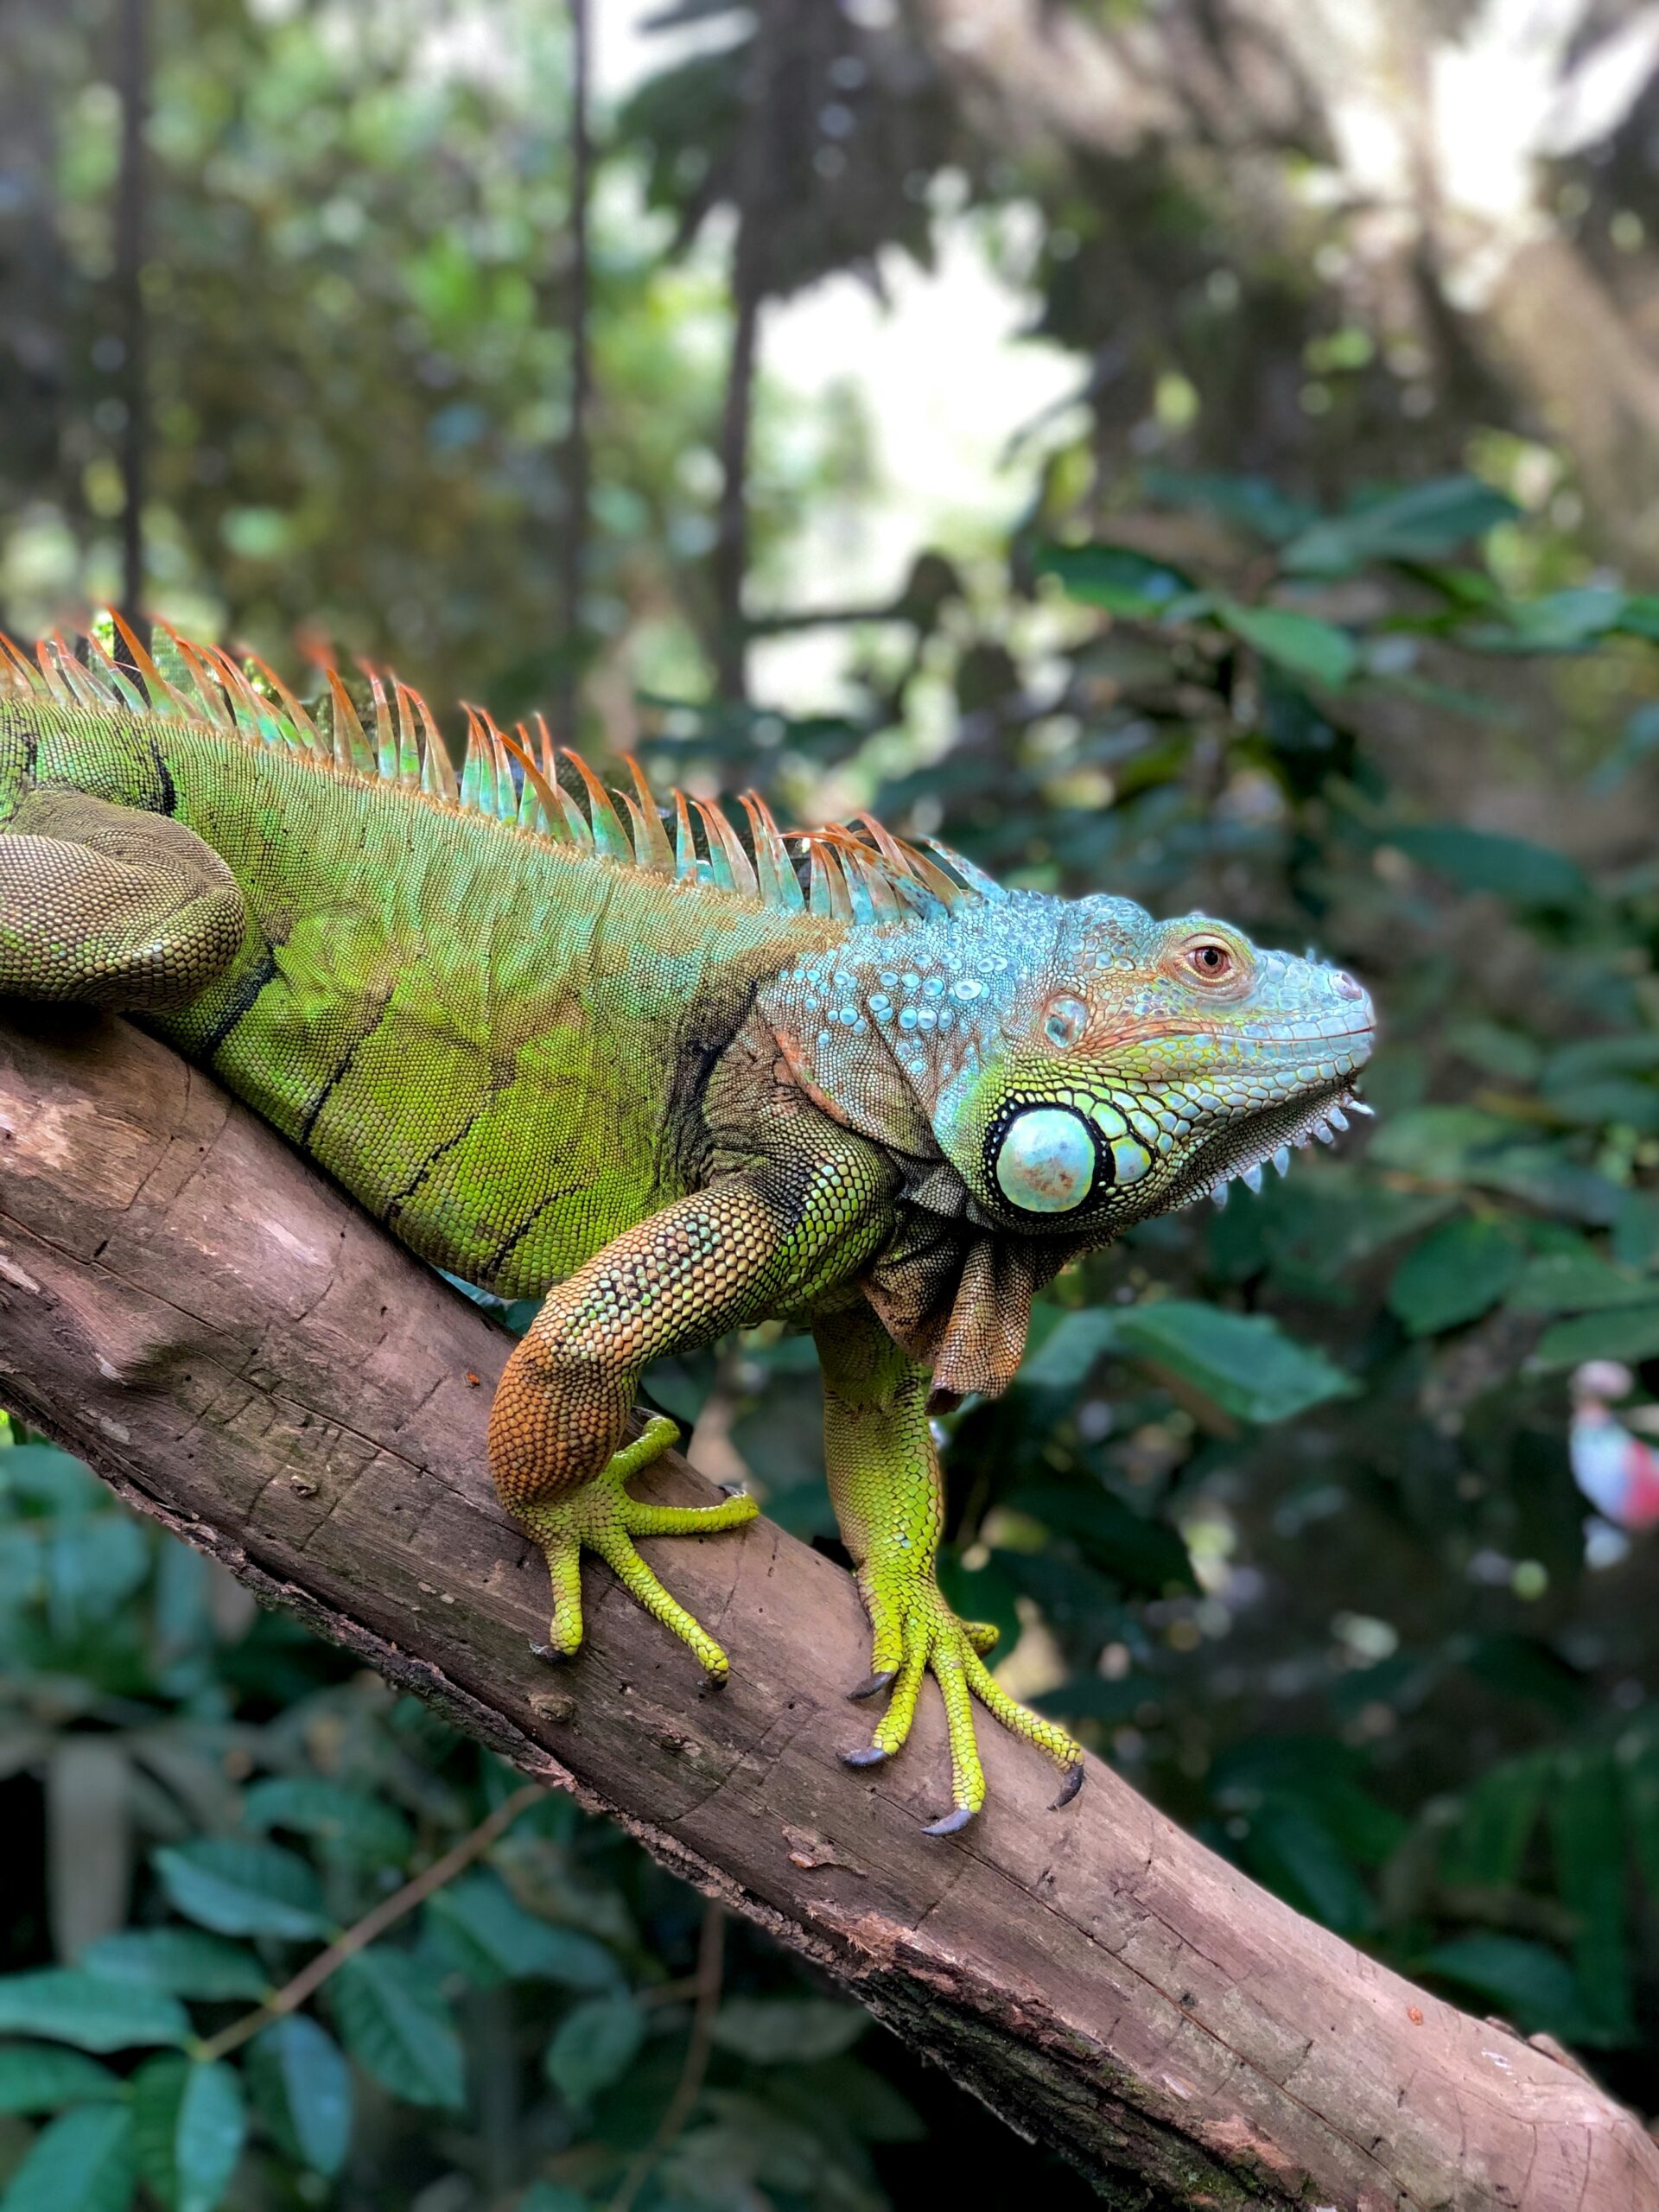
(1137, 1064)
(1078, 1064)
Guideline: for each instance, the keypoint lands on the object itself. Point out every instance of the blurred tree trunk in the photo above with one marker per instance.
(576, 460)
(32, 285)
(1437, 126)
(754, 187)
(132, 82)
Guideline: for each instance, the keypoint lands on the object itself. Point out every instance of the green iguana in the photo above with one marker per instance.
(680, 1085)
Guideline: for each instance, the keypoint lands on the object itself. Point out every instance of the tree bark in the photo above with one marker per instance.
(244, 1357)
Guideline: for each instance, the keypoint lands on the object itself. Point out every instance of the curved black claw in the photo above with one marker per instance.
(867, 1754)
(735, 1489)
(874, 1683)
(553, 1657)
(952, 1824)
(1069, 1787)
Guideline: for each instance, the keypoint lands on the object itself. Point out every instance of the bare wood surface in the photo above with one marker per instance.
(243, 1355)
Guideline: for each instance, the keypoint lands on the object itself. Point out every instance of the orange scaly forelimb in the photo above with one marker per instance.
(746, 1246)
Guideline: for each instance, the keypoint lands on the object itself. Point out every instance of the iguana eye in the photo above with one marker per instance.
(1045, 1160)
(1209, 960)
(1065, 1020)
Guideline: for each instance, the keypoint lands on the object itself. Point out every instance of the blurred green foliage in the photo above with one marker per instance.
(1280, 1514)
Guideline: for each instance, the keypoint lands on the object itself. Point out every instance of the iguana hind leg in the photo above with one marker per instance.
(111, 906)
(885, 1483)
(705, 1263)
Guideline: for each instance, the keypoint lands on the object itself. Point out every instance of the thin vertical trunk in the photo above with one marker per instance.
(750, 271)
(33, 71)
(731, 551)
(576, 460)
(132, 67)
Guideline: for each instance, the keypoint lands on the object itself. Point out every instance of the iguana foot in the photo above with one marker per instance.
(602, 1517)
(915, 1635)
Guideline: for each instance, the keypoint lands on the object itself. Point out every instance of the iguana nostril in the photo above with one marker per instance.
(1345, 986)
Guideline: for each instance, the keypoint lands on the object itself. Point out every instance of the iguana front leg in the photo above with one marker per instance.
(888, 1496)
(751, 1246)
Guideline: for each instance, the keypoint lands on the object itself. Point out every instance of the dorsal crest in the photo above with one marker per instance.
(856, 872)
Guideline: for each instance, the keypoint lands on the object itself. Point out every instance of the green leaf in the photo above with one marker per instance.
(188, 2125)
(786, 2030)
(42, 1477)
(1460, 1270)
(1148, 1554)
(1480, 860)
(302, 2089)
(1636, 1229)
(1576, 1279)
(1317, 651)
(487, 1933)
(81, 2163)
(1440, 1142)
(38, 2078)
(1420, 524)
(1614, 1098)
(594, 2045)
(349, 1822)
(1063, 1360)
(1534, 1988)
(1243, 1363)
(1587, 1057)
(1487, 1844)
(1292, 1852)
(1583, 1811)
(1639, 1781)
(1561, 622)
(396, 2026)
(1629, 1332)
(862, 2100)
(89, 2010)
(1115, 577)
(243, 1889)
(180, 1960)
(1092, 1697)
(980, 1593)
(1255, 502)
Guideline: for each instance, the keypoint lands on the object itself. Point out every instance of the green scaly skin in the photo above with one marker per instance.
(668, 1085)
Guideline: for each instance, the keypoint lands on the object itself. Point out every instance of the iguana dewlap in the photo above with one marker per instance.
(663, 1080)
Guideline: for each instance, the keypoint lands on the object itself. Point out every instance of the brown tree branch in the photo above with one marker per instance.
(243, 1355)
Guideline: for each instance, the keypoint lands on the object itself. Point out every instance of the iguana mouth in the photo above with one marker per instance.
(1241, 1153)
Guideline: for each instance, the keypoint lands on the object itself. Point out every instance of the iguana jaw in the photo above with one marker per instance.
(1239, 1152)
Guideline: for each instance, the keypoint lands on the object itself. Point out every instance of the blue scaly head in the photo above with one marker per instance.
(1138, 1065)
(1057, 1067)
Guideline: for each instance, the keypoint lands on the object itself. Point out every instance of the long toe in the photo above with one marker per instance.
(640, 1519)
(952, 1823)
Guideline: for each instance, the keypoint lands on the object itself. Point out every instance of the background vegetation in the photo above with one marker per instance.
(1324, 605)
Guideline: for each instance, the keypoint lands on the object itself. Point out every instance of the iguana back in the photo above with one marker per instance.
(495, 1037)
